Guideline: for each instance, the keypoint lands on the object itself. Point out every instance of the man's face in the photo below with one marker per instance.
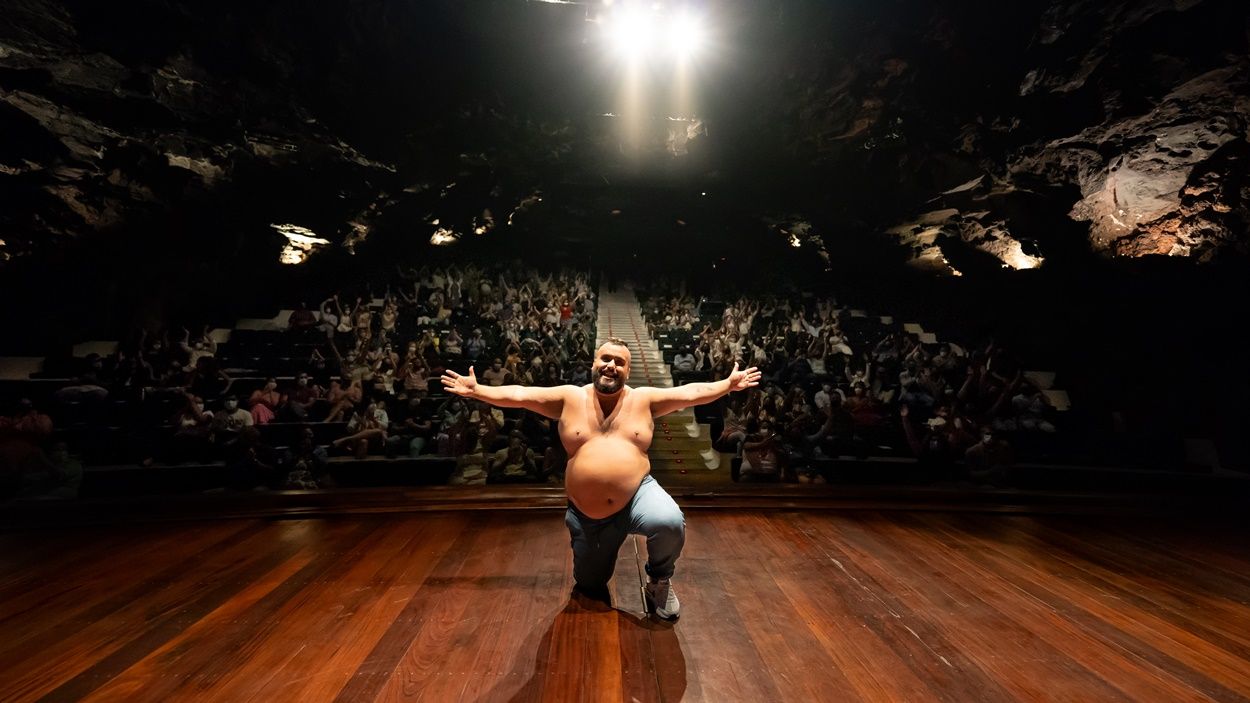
(610, 369)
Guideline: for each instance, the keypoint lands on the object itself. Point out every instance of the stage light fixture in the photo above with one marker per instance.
(685, 35)
(630, 30)
(637, 31)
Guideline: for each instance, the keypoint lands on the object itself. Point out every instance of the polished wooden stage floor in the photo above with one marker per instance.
(777, 606)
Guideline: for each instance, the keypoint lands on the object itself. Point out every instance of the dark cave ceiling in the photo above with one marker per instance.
(1018, 130)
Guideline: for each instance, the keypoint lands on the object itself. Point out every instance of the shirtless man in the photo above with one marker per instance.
(605, 427)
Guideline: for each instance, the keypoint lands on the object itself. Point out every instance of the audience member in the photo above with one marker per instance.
(306, 464)
(230, 421)
(301, 319)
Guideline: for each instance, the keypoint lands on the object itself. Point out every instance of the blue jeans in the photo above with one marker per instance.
(651, 512)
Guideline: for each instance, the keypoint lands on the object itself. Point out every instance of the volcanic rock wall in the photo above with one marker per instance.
(1130, 117)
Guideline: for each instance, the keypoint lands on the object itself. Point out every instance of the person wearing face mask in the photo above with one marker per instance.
(192, 350)
(306, 464)
(451, 418)
(294, 404)
(193, 431)
(231, 420)
(364, 426)
(208, 380)
(264, 402)
(343, 398)
(473, 463)
(990, 459)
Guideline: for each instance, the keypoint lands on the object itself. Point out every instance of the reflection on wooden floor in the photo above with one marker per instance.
(777, 606)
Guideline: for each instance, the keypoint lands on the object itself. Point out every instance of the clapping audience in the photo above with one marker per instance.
(361, 380)
(836, 384)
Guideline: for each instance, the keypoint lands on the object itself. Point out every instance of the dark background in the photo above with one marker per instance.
(850, 116)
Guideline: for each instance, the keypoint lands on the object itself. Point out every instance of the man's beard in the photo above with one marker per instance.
(608, 384)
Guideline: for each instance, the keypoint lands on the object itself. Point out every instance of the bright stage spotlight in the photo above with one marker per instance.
(685, 35)
(649, 32)
(630, 30)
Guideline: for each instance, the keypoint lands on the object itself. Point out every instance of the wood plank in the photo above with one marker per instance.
(865, 583)
(1216, 674)
(200, 598)
(330, 651)
(781, 635)
(526, 659)
(722, 662)
(1209, 601)
(1025, 663)
(230, 654)
(68, 585)
(134, 606)
(476, 606)
(427, 614)
(1135, 678)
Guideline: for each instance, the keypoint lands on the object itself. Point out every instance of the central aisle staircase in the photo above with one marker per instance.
(681, 447)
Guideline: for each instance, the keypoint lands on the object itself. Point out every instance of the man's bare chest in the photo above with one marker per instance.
(630, 420)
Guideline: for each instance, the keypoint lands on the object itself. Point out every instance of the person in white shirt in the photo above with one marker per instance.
(683, 361)
(496, 375)
(231, 420)
(364, 426)
(822, 399)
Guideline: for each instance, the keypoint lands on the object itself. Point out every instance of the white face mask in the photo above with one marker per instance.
(232, 404)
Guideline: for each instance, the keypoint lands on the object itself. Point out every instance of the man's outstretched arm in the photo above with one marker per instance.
(668, 400)
(548, 402)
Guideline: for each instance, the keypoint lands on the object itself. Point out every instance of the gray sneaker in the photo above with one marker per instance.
(661, 592)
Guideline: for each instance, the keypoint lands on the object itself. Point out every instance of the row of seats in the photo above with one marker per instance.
(102, 445)
(132, 480)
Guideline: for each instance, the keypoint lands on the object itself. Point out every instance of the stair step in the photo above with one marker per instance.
(688, 459)
(680, 445)
(691, 431)
(676, 472)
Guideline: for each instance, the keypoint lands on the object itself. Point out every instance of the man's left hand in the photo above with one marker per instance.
(742, 380)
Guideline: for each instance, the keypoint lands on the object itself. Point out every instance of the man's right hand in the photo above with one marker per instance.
(464, 386)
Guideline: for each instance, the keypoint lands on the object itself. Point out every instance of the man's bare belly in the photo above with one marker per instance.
(603, 475)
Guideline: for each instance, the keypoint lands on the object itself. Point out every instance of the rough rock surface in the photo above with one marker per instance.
(1165, 182)
(1126, 118)
(1131, 117)
(99, 139)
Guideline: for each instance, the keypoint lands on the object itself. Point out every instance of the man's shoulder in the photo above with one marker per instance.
(644, 392)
